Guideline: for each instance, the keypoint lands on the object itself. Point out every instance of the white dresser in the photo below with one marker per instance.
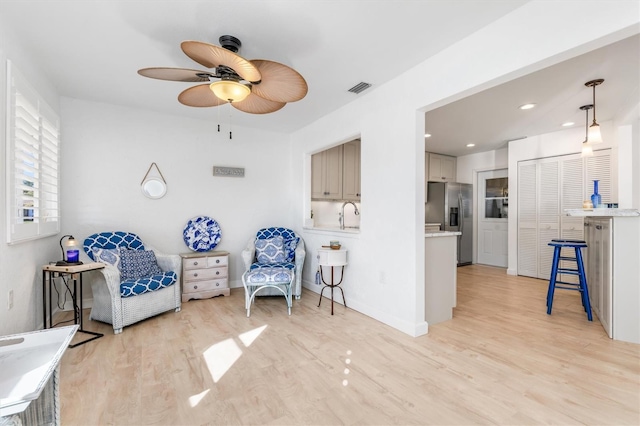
(205, 275)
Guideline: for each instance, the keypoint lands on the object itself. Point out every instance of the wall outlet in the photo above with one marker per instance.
(10, 300)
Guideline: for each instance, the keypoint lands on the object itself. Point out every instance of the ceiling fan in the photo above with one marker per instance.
(257, 86)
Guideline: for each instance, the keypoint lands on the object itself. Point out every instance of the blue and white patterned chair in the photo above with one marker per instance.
(273, 262)
(136, 286)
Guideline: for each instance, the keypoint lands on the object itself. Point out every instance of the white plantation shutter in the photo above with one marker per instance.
(33, 142)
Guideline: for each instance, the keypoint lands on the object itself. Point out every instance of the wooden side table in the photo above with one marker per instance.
(205, 275)
(49, 273)
(332, 258)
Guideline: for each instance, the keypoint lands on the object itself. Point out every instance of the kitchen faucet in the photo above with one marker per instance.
(355, 211)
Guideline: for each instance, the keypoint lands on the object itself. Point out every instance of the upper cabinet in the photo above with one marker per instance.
(351, 171)
(335, 173)
(326, 174)
(441, 168)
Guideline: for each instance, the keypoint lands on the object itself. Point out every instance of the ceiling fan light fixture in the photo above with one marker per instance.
(230, 91)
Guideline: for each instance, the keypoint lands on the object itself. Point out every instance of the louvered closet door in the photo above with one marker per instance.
(548, 219)
(599, 167)
(571, 228)
(527, 219)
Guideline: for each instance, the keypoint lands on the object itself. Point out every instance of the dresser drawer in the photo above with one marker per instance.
(205, 274)
(205, 262)
(199, 286)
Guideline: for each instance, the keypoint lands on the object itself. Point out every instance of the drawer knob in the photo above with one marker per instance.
(195, 275)
(217, 260)
(195, 263)
(195, 287)
(217, 272)
(217, 284)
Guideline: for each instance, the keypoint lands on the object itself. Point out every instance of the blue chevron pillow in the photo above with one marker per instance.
(136, 264)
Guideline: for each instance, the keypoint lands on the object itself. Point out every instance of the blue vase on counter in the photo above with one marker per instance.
(596, 199)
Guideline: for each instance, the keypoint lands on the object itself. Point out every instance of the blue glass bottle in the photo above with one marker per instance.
(596, 200)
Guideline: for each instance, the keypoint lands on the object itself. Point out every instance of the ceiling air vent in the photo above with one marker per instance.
(360, 87)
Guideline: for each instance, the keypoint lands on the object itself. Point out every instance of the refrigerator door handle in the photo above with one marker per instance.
(460, 213)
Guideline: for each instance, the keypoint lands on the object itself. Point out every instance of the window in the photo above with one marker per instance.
(496, 202)
(33, 157)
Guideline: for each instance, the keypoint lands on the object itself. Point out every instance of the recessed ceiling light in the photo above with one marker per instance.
(471, 145)
(527, 106)
(427, 135)
(568, 123)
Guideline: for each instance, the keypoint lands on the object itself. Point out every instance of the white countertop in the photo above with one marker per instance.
(441, 234)
(602, 212)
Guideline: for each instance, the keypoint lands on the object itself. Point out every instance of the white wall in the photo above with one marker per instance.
(20, 264)
(108, 149)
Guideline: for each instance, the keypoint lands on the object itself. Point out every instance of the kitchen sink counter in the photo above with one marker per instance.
(333, 229)
(602, 212)
(441, 234)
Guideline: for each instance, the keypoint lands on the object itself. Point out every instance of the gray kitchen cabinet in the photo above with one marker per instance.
(326, 174)
(351, 171)
(441, 168)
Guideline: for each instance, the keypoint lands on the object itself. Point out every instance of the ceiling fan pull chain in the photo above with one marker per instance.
(230, 134)
(218, 120)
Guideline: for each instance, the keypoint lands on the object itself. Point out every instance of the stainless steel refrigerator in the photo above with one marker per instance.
(450, 204)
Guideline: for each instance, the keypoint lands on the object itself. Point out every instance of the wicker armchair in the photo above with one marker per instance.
(122, 302)
(278, 277)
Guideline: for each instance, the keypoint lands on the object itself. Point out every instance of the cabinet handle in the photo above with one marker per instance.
(217, 260)
(195, 275)
(195, 287)
(217, 272)
(195, 263)
(217, 284)
(598, 226)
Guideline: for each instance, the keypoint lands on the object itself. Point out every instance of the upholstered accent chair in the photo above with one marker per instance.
(273, 262)
(139, 282)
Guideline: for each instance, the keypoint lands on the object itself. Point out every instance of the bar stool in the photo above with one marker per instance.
(554, 283)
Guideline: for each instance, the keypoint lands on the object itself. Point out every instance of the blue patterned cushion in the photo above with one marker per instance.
(136, 264)
(130, 288)
(270, 250)
(112, 240)
(286, 265)
(110, 256)
(290, 239)
(269, 275)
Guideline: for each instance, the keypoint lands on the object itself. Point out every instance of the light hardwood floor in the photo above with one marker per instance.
(500, 360)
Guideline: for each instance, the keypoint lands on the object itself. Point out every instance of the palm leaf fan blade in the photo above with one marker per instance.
(279, 83)
(199, 96)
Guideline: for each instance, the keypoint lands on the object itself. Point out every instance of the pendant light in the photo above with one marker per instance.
(587, 150)
(594, 130)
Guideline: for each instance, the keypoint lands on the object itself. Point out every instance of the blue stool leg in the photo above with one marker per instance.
(584, 290)
(552, 279)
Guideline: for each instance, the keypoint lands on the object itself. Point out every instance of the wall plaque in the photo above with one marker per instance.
(228, 171)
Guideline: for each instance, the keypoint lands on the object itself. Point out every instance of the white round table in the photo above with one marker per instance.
(332, 258)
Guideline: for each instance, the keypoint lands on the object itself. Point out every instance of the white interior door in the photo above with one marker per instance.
(493, 211)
